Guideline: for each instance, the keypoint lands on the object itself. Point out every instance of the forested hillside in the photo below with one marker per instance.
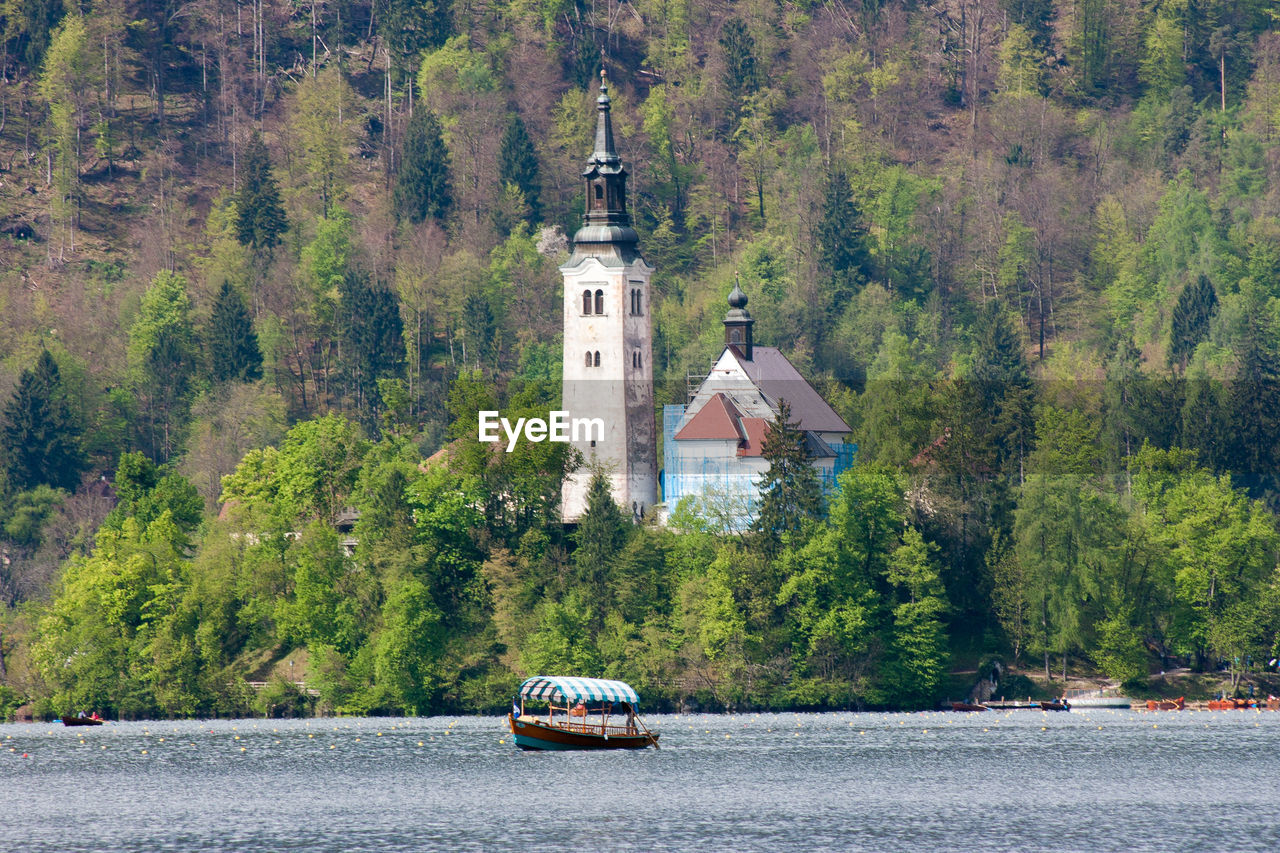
(263, 262)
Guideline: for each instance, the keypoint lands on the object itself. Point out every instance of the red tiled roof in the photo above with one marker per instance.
(755, 429)
(716, 420)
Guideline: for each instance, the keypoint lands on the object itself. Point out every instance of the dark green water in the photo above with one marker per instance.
(1085, 780)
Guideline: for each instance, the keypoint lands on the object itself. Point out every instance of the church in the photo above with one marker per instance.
(712, 444)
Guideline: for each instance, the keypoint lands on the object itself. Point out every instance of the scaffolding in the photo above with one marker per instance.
(727, 480)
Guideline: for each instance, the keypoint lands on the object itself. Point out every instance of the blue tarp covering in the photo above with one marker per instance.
(566, 690)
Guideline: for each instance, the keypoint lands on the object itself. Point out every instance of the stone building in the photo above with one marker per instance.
(608, 333)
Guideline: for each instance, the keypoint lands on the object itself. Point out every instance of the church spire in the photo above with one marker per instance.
(604, 153)
(738, 323)
(606, 226)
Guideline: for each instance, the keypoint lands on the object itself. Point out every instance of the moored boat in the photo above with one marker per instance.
(598, 713)
(967, 706)
(1232, 704)
(1056, 705)
(1166, 704)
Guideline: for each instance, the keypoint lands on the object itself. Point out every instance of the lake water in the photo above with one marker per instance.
(1021, 780)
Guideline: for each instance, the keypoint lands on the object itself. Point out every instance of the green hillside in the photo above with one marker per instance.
(262, 263)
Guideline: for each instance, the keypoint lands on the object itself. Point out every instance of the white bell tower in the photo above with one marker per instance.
(608, 338)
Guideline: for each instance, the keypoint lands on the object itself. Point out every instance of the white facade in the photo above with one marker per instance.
(608, 333)
(617, 384)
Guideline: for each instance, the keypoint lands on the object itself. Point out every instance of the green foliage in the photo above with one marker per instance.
(26, 513)
(231, 340)
(61, 85)
(518, 163)
(790, 495)
(372, 332)
(29, 25)
(321, 123)
(841, 244)
(1161, 67)
(1098, 174)
(602, 532)
(41, 437)
(1021, 64)
(163, 357)
(422, 188)
(260, 218)
(741, 74)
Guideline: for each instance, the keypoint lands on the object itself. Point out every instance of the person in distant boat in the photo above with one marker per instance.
(80, 716)
(95, 716)
(631, 717)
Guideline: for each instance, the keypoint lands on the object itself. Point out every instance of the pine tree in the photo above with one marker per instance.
(29, 26)
(518, 163)
(790, 494)
(842, 246)
(480, 329)
(260, 218)
(1002, 383)
(234, 355)
(410, 26)
(741, 76)
(1196, 306)
(1253, 403)
(422, 188)
(41, 438)
(601, 535)
(374, 339)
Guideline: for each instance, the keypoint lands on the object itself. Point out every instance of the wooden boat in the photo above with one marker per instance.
(1055, 705)
(1231, 704)
(967, 706)
(597, 713)
(1002, 705)
(1166, 704)
(82, 721)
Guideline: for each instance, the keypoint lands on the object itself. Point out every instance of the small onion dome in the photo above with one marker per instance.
(737, 299)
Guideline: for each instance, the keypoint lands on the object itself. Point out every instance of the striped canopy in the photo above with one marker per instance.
(558, 688)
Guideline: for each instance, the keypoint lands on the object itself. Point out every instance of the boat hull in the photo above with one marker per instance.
(531, 734)
(967, 706)
(80, 721)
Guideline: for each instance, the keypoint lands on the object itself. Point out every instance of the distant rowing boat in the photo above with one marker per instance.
(1028, 705)
(1166, 704)
(81, 721)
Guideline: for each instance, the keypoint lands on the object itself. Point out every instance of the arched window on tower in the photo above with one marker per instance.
(735, 336)
(637, 306)
(597, 358)
(599, 302)
(635, 359)
(586, 302)
(588, 358)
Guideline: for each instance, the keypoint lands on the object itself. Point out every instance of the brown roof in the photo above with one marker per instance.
(778, 379)
(756, 429)
(716, 420)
